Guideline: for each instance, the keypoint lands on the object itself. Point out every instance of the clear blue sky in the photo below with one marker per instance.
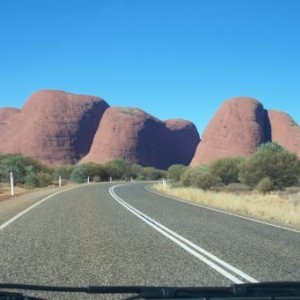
(171, 58)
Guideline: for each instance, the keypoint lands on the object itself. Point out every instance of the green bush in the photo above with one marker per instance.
(227, 169)
(30, 178)
(119, 169)
(265, 185)
(94, 171)
(97, 179)
(44, 179)
(15, 164)
(80, 174)
(150, 173)
(185, 178)
(64, 171)
(272, 161)
(175, 172)
(136, 171)
(25, 169)
(200, 177)
(205, 180)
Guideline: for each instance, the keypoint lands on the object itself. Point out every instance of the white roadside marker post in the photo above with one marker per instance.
(164, 183)
(88, 180)
(59, 181)
(12, 189)
(110, 179)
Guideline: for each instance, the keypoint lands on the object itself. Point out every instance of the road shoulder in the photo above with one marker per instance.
(12, 206)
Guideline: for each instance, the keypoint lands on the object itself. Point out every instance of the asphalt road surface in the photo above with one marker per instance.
(122, 234)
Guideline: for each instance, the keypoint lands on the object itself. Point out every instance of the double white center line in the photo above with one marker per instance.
(230, 272)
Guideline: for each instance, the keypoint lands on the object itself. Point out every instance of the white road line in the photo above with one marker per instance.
(2, 226)
(222, 211)
(203, 255)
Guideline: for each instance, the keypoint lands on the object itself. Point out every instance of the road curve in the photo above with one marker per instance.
(86, 236)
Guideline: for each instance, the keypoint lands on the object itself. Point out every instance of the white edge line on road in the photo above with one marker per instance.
(221, 211)
(5, 224)
(179, 240)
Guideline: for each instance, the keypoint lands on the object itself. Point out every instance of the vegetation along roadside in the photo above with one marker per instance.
(264, 185)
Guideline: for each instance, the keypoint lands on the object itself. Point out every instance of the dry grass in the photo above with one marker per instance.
(5, 189)
(272, 207)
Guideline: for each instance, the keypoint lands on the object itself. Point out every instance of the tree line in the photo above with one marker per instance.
(271, 167)
(32, 173)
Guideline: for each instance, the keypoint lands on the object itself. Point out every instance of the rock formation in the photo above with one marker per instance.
(285, 131)
(237, 128)
(132, 134)
(182, 142)
(54, 127)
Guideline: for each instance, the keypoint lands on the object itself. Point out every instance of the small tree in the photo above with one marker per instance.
(227, 169)
(202, 177)
(151, 173)
(185, 178)
(119, 168)
(15, 164)
(273, 162)
(265, 185)
(30, 178)
(79, 174)
(44, 179)
(176, 171)
(64, 171)
(136, 171)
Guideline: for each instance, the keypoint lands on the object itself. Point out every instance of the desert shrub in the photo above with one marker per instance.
(30, 177)
(175, 172)
(205, 180)
(151, 173)
(227, 169)
(136, 171)
(15, 164)
(44, 179)
(200, 177)
(236, 188)
(271, 147)
(265, 185)
(79, 174)
(271, 161)
(24, 169)
(96, 178)
(64, 171)
(185, 178)
(119, 169)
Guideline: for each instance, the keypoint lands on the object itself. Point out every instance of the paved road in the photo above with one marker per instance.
(124, 235)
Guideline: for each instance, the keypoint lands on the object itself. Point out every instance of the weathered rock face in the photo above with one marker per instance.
(58, 128)
(7, 114)
(54, 127)
(237, 128)
(285, 131)
(182, 142)
(132, 134)
(127, 133)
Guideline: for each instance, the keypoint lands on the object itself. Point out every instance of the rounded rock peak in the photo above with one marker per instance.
(176, 124)
(285, 130)
(45, 99)
(236, 129)
(6, 113)
(246, 100)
